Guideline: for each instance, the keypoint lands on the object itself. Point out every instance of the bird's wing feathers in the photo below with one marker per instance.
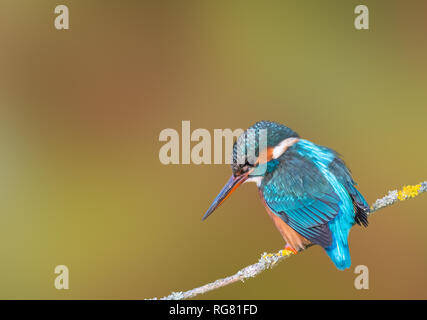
(300, 195)
(361, 207)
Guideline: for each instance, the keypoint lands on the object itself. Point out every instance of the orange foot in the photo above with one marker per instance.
(288, 248)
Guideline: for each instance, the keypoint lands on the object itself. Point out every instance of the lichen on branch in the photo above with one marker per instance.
(268, 260)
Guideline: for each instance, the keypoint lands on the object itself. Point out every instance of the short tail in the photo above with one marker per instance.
(339, 254)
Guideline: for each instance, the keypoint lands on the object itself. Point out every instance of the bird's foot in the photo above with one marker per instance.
(288, 250)
(282, 253)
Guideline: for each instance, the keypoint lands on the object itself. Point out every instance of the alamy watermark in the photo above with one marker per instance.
(62, 280)
(178, 148)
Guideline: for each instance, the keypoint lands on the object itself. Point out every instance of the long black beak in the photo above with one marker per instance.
(228, 189)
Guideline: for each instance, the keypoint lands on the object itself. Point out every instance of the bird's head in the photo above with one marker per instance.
(256, 153)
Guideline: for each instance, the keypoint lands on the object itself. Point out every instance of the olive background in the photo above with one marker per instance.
(81, 111)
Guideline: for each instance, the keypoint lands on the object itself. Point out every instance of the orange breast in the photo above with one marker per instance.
(292, 238)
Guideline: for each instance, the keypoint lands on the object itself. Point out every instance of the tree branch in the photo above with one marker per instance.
(269, 260)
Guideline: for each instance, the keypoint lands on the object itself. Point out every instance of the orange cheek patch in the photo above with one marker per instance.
(265, 155)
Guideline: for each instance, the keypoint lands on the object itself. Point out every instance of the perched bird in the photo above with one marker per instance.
(306, 189)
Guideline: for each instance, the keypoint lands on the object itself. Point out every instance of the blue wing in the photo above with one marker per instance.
(361, 207)
(299, 194)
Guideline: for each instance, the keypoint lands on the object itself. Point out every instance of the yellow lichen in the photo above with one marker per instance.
(268, 255)
(408, 192)
(286, 252)
(281, 253)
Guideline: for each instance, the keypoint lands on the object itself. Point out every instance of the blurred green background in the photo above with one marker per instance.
(82, 109)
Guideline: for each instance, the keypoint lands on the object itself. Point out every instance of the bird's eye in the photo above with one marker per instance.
(247, 166)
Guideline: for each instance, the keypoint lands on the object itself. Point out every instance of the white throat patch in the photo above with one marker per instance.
(257, 180)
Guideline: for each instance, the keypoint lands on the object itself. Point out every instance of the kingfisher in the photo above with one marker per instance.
(307, 189)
